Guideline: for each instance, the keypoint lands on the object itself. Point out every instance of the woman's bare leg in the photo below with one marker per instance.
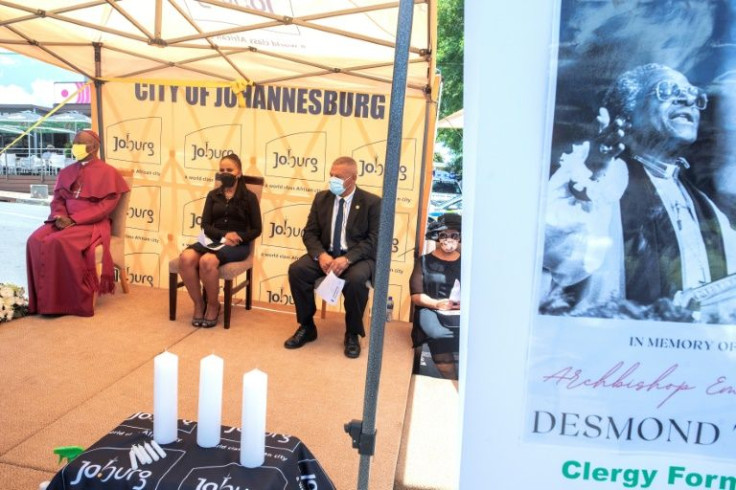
(210, 276)
(189, 272)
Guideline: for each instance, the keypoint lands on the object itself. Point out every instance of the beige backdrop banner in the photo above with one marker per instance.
(174, 136)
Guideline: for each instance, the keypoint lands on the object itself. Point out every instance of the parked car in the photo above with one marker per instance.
(444, 190)
(443, 175)
(454, 205)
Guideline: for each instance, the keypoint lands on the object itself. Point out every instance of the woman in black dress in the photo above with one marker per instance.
(231, 219)
(437, 319)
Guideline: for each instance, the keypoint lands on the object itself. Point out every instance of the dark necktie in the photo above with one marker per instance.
(337, 236)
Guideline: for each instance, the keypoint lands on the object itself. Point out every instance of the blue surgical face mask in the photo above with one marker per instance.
(337, 185)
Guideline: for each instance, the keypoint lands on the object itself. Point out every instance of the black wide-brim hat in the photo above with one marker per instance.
(447, 221)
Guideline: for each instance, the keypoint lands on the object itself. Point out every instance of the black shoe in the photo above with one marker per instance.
(301, 336)
(210, 323)
(352, 345)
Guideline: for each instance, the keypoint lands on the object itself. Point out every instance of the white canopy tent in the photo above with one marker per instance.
(339, 43)
(453, 121)
(346, 44)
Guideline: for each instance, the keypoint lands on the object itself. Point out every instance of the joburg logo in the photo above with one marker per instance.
(206, 14)
(294, 161)
(204, 148)
(283, 229)
(372, 169)
(231, 476)
(297, 155)
(145, 214)
(279, 297)
(144, 270)
(133, 145)
(138, 278)
(144, 208)
(272, 290)
(400, 237)
(135, 140)
(195, 221)
(262, 5)
(376, 168)
(111, 472)
(309, 482)
(284, 226)
(207, 153)
(192, 217)
(205, 484)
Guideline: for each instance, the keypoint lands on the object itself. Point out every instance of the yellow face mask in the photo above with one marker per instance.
(79, 152)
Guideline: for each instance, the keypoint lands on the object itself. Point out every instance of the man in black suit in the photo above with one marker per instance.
(340, 236)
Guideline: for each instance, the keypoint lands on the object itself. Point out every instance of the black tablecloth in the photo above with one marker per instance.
(106, 464)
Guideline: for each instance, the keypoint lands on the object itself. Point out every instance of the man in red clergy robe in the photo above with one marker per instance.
(60, 255)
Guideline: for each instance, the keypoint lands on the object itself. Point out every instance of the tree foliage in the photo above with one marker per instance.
(450, 47)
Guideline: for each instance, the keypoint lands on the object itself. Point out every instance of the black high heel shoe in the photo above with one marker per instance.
(197, 321)
(211, 323)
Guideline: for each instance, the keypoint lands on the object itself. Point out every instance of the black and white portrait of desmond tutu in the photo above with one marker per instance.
(631, 228)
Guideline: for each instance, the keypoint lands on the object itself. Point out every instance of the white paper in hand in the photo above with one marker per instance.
(455, 292)
(212, 245)
(331, 288)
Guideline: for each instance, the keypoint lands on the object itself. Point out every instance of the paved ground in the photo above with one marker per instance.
(17, 222)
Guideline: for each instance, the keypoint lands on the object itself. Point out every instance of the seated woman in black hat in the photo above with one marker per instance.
(434, 287)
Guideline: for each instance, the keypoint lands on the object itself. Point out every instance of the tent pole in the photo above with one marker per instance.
(98, 97)
(364, 433)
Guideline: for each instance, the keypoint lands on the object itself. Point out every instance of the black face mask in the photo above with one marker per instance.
(228, 180)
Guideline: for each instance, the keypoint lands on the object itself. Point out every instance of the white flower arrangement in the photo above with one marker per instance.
(13, 302)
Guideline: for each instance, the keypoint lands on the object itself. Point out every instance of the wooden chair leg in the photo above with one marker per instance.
(323, 312)
(124, 280)
(249, 289)
(173, 280)
(228, 302)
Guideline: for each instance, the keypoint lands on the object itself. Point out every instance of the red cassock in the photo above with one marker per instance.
(62, 278)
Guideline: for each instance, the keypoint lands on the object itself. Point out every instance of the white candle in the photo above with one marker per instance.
(151, 452)
(133, 462)
(210, 401)
(165, 381)
(253, 426)
(158, 449)
(143, 457)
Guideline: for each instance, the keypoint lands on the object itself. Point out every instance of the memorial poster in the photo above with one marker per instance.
(633, 347)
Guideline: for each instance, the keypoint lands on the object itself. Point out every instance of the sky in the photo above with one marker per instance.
(24, 80)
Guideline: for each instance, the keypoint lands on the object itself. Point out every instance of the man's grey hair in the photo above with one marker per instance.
(623, 96)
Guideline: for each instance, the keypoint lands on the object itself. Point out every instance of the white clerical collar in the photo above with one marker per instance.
(662, 169)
